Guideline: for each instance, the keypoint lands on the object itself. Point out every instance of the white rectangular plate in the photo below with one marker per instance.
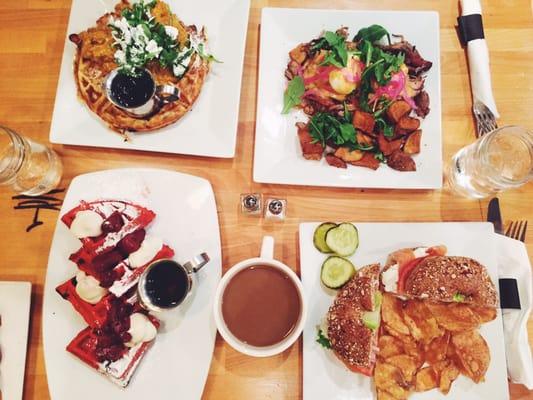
(325, 377)
(15, 300)
(209, 129)
(278, 156)
(186, 219)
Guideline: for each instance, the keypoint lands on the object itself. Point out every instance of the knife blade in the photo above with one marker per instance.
(494, 215)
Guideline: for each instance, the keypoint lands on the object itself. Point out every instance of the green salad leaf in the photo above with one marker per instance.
(293, 94)
(372, 33)
(335, 44)
(458, 297)
(322, 339)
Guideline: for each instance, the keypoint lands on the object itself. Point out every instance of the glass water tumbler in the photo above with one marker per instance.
(27, 166)
(499, 160)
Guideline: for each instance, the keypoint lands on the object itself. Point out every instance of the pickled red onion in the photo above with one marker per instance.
(322, 74)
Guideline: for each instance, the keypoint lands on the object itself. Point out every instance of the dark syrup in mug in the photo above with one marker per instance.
(166, 284)
(132, 91)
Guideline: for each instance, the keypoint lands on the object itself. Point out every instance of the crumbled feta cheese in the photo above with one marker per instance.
(171, 31)
(120, 57)
(153, 48)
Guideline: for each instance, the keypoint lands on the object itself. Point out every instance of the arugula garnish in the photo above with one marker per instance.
(378, 155)
(336, 45)
(388, 130)
(323, 340)
(380, 66)
(293, 94)
(372, 33)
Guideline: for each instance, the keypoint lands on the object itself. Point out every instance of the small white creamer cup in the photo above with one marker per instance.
(266, 258)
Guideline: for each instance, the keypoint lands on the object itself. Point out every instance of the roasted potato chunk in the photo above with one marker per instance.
(388, 147)
(412, 144)
(310, 150)
(368, 161)
(335, 161)
(400, 161)
(298, 54)
(363, 121)
(364, 140)
(397, 110)
(406, 125)
(348, 155)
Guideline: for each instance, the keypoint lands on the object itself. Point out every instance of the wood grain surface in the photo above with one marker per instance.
(32, 34)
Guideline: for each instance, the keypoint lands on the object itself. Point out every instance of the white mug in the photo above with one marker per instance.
(266, 258)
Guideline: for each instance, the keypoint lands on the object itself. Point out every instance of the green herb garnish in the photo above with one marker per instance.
(139, 39)
(388, 130)
(322, 339)
(337, 54)
(372, 33)
(378, 155)
(293, 94)
(458, 297)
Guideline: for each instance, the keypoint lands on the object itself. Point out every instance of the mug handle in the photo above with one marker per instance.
(197, 262)
(167, 93)
(267, 248)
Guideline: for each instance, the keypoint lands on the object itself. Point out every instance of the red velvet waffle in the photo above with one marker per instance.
(134, 217)
(90, 347)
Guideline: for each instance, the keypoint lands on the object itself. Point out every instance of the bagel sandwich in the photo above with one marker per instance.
(428, 273)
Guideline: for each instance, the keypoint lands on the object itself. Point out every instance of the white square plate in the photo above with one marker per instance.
(325, 377)
(278, 157)
(176, 366)
(209, 129)
(15, 300)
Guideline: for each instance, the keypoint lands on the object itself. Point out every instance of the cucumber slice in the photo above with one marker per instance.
(371, 319)
(378, 299)
(336, 271)
(343, 239)
(319, 237)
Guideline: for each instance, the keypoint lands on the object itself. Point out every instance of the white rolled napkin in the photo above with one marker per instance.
(478, 61)
(513, 262)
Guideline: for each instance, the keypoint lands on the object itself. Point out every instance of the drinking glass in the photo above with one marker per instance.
(499, 160)
(27, 166)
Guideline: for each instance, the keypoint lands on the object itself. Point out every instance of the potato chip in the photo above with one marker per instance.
(426, 379)
(407, 366)
(446, 372)
(454, 317)
(391, 314)
(386, 378)
(382, 395)
(422, 325)
(485, 314)
(389, 346)
(436, 350)
(472, 354)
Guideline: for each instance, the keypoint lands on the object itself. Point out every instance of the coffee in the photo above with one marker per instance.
(261, 305)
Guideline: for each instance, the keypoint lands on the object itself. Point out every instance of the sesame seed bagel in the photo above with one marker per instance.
(441, 278)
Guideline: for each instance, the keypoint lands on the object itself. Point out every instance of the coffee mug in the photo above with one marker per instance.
(265, 259)
(138, 95)
(165, 283)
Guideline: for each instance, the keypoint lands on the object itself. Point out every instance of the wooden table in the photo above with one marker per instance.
(32, 34)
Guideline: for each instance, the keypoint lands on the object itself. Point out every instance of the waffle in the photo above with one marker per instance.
(94, 60)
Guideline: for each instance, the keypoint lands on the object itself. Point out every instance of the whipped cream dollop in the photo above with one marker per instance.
(141, 329)
(146, 253)
(88, 288)
(86, 223)
(390, 277)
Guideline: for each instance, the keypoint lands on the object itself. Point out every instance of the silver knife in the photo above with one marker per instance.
(494, 215)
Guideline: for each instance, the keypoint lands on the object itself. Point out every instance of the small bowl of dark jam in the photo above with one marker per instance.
(137, 93)
(165, 283)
